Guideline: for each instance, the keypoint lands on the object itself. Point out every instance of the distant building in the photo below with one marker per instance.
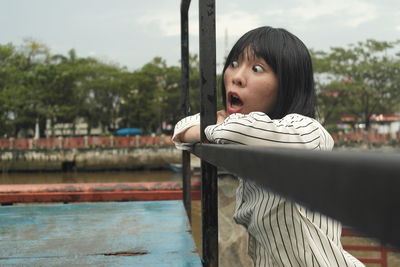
(79, 128)
(382, 123)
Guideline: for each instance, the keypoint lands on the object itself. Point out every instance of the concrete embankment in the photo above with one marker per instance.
(84, 159)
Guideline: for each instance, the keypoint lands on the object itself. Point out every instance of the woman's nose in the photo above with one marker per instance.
(238, 77)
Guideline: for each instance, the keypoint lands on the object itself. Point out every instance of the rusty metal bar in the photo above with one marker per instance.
(93, 192)
(208, 116)
(186, 178)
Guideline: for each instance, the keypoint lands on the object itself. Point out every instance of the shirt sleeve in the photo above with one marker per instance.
(182, 126)
(257, 128)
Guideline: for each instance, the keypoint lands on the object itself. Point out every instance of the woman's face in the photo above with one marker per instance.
(250, 85)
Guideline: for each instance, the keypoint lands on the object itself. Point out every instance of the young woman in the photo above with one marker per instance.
(268, 93)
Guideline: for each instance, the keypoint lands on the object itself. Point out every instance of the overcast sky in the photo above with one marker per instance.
(132, 32)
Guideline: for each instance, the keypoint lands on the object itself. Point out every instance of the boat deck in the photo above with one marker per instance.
(155, 233)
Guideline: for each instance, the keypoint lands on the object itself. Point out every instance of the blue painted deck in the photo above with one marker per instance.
(153, 233)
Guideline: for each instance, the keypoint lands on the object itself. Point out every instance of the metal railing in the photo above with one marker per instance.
(185, 102)
(362, 190)
(209, 197)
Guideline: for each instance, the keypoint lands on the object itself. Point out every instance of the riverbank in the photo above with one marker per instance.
(89, 159)
(395, 148)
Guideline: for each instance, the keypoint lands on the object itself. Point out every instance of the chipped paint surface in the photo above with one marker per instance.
(97, 234)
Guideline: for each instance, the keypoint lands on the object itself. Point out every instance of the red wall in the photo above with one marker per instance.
(85, 142)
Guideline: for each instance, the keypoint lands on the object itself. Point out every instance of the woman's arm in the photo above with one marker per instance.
(179, 138)
(191, 135)
(187, 130)
(257, 128)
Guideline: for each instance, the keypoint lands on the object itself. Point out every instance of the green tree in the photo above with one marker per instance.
(143, 100)
(362, 79)
(61, 96)
(36, 80)
(194, 83)
(152, 97)
(21, 106)
(10, 76)
(98, 93)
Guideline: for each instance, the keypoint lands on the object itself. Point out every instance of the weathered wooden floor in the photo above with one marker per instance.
(154, 233)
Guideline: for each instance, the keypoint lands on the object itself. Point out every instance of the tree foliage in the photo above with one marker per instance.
(38, 87)
(360, 80)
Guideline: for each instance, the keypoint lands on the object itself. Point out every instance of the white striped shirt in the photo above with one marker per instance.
(281, 232)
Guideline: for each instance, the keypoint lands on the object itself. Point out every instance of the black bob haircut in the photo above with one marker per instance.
(289, 59)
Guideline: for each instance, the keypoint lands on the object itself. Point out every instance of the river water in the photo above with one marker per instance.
(89, 177)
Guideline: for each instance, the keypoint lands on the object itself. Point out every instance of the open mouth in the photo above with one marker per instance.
(234, 101)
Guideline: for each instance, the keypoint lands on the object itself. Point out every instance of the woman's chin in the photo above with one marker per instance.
(234, 109)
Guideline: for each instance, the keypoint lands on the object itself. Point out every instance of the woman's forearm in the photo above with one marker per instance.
(191, 135)
(188, 129)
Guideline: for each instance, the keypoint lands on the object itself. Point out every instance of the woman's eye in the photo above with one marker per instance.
(234, 64)
(258, 68)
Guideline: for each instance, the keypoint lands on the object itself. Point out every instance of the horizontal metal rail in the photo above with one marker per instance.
(361, 190)
(94, 192)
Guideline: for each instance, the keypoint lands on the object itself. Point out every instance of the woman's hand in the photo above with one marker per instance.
(221, 116)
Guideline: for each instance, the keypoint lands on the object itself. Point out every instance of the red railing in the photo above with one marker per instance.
(94, 192)
(163, 140)
(383, 255)
(85, 142)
